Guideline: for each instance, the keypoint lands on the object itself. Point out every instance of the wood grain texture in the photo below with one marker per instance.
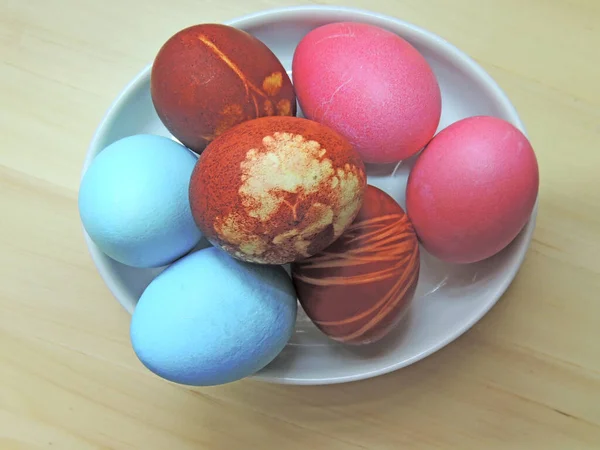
(526, 377)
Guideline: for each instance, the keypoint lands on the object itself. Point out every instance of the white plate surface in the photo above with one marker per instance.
(449, 298)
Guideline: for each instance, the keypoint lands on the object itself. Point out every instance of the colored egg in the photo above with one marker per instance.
(209, 77)
(210, 319)
(134, 201)
(371, 86)
(276, 189)
(472, 189)
(357, 290)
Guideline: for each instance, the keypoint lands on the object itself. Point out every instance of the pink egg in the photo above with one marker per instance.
(369, 85)
(472, 189)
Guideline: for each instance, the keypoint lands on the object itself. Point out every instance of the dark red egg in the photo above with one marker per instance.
(210, 77)
(276, 189)
(357, 289)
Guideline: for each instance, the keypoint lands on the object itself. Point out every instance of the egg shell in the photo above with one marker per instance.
(357, 290)
(210, 319)
(371, 86)
(209, 77)
(276, 189)
(472, 189)
(134, 203)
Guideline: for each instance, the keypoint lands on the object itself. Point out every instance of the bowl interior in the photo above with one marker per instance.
(449, 298)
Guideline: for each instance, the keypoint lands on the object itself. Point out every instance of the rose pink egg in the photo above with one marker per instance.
(369, 85)
(472, 189)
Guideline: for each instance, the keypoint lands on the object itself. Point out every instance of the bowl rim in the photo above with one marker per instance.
(410, 31)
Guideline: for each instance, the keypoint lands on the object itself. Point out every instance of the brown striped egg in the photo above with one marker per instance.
(276, 189)
(358, 288)
(208, 78)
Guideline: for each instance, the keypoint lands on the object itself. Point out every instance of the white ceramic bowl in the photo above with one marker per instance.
(449, 299)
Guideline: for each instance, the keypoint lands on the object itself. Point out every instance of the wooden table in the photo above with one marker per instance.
(526, 377)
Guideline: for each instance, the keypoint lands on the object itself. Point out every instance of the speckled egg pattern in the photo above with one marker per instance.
(275, 190)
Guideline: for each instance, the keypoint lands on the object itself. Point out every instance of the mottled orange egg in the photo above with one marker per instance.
(209, 77)
(357, 289)
(276, 189)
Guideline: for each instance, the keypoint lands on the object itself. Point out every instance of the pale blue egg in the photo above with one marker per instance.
(210, 319)
(134, 201)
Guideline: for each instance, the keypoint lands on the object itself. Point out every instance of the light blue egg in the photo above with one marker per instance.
(134, 201)
(210, 319)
